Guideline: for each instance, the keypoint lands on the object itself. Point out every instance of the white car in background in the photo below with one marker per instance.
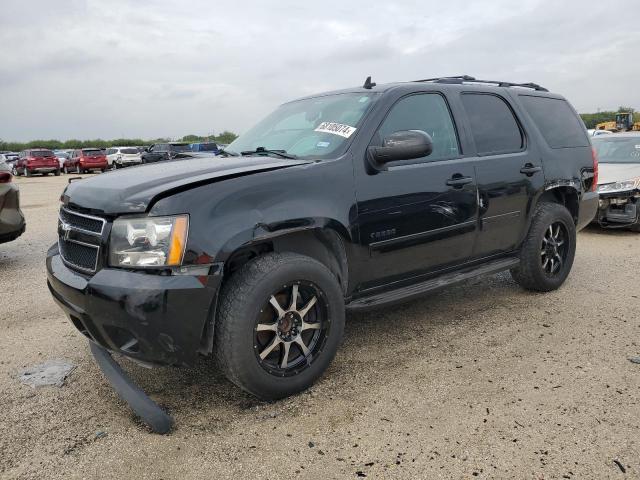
(62, 155)
(596, 133)
(119, 157)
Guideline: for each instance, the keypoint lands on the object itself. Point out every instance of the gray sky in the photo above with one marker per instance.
(150, 68)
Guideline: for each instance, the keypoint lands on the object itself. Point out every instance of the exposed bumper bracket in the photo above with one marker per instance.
(139, 402)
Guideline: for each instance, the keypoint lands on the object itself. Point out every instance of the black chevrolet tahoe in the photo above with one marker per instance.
(347, 200)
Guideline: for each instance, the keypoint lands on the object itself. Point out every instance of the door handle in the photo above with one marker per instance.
(529, 169)
(457, 181)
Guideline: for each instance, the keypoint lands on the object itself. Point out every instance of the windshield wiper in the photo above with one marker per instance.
(228, 152)
(279, 153)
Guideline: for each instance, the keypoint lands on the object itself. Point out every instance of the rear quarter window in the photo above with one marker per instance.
(557, 121)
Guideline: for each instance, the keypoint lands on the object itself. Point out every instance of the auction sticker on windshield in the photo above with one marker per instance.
(336, 128)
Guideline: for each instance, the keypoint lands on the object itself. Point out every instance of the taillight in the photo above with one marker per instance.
(5, 177)
(594, 156)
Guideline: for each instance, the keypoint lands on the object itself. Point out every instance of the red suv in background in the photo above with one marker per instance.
(36, 160)
(85, 160)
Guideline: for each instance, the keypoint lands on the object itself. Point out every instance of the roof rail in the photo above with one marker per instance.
(461, 79)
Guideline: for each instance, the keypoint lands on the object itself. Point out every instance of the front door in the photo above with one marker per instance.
(417, 215)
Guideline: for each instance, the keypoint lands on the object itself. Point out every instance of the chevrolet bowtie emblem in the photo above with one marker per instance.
(66, 230)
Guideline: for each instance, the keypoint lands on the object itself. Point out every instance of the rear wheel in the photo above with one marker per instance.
(64, 169)
(279, 324)
(78, 170)
(548, 250)
(15, 172)
(57, 173)
(27, 173)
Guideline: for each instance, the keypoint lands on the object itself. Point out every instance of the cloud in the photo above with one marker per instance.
(149, 68)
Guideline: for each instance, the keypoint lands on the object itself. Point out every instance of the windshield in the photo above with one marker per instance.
(206, 147)
(42, 153)
(316, 127)
(613, 149)
(91, 152)
(180, 147)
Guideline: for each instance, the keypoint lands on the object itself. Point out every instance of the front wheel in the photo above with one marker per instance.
(27, 173)
(279, 324)
(548, 250)
(64, 169)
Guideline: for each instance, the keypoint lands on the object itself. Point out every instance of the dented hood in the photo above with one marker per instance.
(617, 172)
(133, 190)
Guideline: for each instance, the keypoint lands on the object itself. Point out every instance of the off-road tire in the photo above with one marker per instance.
(530, 274)
(241, 299)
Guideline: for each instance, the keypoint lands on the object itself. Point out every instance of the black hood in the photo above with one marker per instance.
(133, 190)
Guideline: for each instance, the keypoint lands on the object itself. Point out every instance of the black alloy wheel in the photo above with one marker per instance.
(554, 248)
(291, 329)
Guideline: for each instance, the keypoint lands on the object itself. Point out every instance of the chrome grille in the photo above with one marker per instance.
(79, 237)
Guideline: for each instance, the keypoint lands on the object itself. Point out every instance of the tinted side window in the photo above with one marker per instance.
(493, 126)
(427, 112)
(556, 120)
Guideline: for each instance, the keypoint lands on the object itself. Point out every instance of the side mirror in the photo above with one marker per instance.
(402, 145)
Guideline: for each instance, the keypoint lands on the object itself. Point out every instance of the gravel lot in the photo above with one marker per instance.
(483, 380)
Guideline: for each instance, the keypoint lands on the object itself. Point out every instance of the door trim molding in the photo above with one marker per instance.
(384, 246)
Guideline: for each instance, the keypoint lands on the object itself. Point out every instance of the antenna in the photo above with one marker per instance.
(368, 84)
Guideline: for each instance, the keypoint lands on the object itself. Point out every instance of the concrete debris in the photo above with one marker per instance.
(51, 372)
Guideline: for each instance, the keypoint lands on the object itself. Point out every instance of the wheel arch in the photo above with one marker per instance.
(322, 241)
(567, 196)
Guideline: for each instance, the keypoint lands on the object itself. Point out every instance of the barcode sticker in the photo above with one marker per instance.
(336, 128)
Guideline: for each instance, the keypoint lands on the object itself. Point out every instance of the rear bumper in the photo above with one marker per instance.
(94, 166)
(128, 161)
(588, 209)
(149, 318)
(48, 169)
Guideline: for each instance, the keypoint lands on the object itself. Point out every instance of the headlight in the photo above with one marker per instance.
(625, 185)
(148, 241)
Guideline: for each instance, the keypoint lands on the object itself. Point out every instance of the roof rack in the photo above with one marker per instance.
(461, 79)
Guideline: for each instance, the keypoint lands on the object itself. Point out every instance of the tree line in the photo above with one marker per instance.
(52, 144)
(592, 119)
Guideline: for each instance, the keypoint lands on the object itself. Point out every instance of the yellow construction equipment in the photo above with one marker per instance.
(622, 123)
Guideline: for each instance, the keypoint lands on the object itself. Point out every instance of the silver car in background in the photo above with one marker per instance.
(618, 180)
(12, 222)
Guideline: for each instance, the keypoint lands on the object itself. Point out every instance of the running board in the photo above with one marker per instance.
(140, 403)
(442, 281)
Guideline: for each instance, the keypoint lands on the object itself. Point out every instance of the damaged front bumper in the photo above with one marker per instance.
(154, 319)
(618, 209)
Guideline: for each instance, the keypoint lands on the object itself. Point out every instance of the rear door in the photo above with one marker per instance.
(417, 215)
(508, 171)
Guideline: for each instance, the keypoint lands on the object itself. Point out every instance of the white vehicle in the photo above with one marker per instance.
(596, 133)
(62, 155)
(119, 157)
